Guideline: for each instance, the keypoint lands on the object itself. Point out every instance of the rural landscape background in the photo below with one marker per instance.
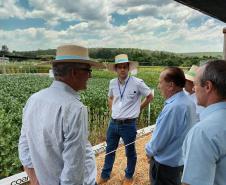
(23, 73)
(156, 33)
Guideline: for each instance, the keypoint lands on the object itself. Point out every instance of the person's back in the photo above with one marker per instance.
(214, 128)
(54, 146)
(211, 128)
(204, 147)
(47, 128)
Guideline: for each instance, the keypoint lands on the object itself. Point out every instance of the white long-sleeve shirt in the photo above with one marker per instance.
(54, 137)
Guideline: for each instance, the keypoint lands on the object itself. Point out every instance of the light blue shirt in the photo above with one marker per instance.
(205, 148)
(173, 123)
(127, 106)
(54, 137)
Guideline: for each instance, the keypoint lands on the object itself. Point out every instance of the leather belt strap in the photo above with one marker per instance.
(123, 121)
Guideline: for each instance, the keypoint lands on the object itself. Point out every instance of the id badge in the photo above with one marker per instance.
(120, 104)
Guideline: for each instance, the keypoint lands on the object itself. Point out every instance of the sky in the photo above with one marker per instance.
(162, 25)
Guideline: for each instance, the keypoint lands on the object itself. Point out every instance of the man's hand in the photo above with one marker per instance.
(146, 101)
(149, 159)
(32, 176)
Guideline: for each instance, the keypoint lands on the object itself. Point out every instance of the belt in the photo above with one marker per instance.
(123, 121)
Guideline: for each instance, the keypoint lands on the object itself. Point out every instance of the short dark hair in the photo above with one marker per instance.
(119, 63)
(215, 71)
(175, 75)
(62, 69)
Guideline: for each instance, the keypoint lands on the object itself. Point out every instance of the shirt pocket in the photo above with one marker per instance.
(132, 94)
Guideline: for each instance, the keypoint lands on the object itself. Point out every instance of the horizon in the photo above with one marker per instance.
(156, 25)
(124, 48)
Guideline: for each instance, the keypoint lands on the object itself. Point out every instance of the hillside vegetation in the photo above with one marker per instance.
(144, 57)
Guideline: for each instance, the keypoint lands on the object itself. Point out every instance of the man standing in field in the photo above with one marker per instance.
(53, 146)
(204, 147)
(124, 97)
(164, 150)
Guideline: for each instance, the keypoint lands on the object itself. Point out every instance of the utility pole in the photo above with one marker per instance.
(224, 48)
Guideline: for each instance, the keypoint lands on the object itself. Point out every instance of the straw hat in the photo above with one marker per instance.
(122, 58)
(190, 75)
(75, 53)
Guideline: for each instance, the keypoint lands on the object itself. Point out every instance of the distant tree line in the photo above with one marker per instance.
(149, 58)
(144, 57)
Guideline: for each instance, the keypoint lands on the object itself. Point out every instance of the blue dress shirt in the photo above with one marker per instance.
(173, 123)
(205, 148)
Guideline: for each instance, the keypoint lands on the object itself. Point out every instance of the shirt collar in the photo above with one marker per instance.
(66, 87)
(188, 93)
(212, 108)
(172, 98)
(124, 80)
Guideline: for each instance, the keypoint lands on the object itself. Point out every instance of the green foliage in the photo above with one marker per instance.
(22, 67)
(16, 89)
(203, 54)
(144, 57)
(49, 53)
(4, 50)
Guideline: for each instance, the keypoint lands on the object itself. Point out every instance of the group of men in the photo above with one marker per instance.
(185, 146)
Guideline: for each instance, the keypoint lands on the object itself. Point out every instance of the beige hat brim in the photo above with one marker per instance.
(132, 65)
(92, 63)
(188, 77)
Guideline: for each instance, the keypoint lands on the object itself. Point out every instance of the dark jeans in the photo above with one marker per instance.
(164, 175)
(127, 131)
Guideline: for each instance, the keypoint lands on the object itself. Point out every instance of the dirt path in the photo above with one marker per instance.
(141, 174)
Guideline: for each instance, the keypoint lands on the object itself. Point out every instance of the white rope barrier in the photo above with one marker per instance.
(140, 133)
(22, 178)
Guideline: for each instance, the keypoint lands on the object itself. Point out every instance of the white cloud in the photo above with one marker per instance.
(8, 9)
(157, 25)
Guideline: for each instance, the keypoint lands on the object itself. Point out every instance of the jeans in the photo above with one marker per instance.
(164, 175)
(127, 131)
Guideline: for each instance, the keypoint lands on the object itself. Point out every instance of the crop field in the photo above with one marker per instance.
(15, 89)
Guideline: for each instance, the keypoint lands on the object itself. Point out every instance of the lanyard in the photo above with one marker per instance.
(122, 92)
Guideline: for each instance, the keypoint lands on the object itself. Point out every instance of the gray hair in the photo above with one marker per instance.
(215, 71)
(62, 69)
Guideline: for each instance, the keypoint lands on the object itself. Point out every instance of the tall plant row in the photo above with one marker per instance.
(16, 89)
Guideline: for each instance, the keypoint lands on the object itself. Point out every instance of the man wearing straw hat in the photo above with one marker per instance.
(189, 88)
(124, 97)
(54, 146)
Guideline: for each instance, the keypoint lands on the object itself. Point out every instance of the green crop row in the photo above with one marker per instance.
(16, 89)
(12, 68)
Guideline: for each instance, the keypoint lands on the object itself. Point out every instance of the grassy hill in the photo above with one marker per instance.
(201, 54)
(144, 57)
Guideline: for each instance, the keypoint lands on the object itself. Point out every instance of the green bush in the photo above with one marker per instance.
(16, 89)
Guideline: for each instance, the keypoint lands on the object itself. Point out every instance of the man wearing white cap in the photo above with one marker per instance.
(53, 146)
(124, 97)
(189, 88)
